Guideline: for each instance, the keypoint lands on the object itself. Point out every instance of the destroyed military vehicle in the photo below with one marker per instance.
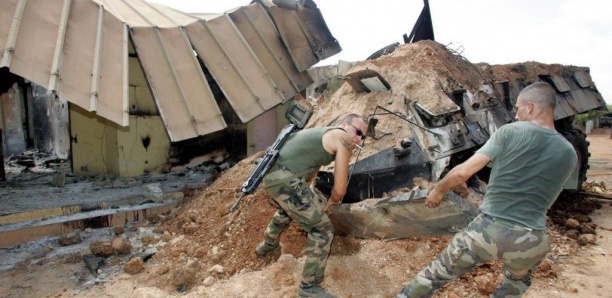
(430, 109)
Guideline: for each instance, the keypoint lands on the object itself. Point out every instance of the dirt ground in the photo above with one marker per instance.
(208, 252)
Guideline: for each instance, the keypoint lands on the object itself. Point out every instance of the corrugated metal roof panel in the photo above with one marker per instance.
(558, 82)
(294, 36)
(40, 25)
(81, 49)
(235, 67)
(92, 71)
(258, 29)
(140, 13)
(582, 79)
(577, 99)
(81, 46)
(305, 33)
(183, 96)
(109, 89)
(66, 64)
(233, 85)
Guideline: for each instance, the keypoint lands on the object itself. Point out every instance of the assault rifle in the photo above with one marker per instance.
(298, 115)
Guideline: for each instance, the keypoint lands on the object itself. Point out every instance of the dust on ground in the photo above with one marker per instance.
(224, 242)
(203, 250)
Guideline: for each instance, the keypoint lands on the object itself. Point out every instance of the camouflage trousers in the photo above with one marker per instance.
(486, 238)
(298, 202)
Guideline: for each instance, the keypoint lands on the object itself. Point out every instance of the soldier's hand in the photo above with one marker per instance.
(330, 202)
(433, 199)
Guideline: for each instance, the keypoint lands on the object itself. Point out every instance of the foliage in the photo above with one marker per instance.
(593, 114)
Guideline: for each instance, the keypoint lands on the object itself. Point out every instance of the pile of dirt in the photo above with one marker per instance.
(204, 241)
(527, 71)
(424, 73)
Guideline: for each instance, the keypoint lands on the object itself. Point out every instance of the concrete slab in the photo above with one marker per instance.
(26, 231)
(32, 206)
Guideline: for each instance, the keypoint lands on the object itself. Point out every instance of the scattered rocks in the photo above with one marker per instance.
(486, 284)
(209, 281)
(587, 239)
(153, 192)
(71, 238)
(582, 218)
(184, 276)
(587, 228)
(119, 230)
(93, 263)
(121, 246)
(101, 248)
(134, 266)
(572, 223)
(545, 266)
(190, 228)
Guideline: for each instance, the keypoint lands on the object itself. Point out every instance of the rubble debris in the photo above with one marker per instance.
(34, 161)
(587, 239)
(101, 248)
(134, 266)
(121, 246)
(93, 263)
(146, 255)
(119, 230)
(597, 189)
(572, 223)
(71, 238)
(185, 276)
(153, 191)
(570, 212)
(486, 283)
(59, 178)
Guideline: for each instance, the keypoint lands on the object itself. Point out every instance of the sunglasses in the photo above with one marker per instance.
(358, 132)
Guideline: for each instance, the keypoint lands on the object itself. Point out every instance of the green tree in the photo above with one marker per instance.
(593, 114)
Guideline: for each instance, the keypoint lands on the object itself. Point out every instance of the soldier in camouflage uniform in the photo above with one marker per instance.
(289, 185)
(530, 164)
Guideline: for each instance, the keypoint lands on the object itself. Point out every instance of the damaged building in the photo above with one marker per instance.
(130, 87)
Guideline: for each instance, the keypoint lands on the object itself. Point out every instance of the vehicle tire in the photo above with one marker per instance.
(578, 139)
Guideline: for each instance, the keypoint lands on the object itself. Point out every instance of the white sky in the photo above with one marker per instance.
(570, 32)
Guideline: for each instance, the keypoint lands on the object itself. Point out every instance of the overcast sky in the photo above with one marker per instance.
(571, 32)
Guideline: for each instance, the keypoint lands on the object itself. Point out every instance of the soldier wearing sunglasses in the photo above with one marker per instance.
(289, 185)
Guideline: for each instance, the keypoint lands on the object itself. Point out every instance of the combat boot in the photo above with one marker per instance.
(313, 291)
(264, 247)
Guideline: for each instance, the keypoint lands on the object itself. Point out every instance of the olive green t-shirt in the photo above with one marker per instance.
(530, 165)
(303, 152)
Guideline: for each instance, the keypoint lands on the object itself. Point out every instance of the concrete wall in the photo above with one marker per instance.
(12, 116)
(33, 119)
(48, 121)
(143, 147)
(90, 135)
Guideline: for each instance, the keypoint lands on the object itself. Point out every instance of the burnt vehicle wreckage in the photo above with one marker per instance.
(382, 200)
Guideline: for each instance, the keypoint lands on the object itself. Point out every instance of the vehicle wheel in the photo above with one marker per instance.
(581, 145)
